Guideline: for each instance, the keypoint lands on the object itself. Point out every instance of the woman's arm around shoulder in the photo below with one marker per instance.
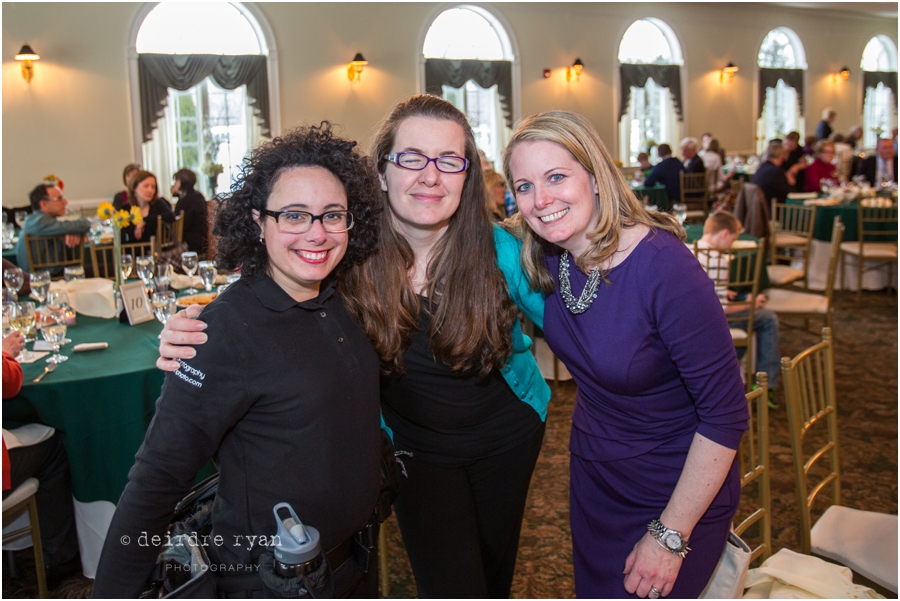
(530, 301)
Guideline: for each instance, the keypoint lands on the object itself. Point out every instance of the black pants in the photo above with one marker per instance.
(461, 524)
(47, 462)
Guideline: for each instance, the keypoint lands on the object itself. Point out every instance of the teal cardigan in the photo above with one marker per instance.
(521, 371)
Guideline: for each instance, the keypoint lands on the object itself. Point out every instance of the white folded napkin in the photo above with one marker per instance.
(30, 356)
(91, 296)
(90, 346)
(802, 195)
(180, 282)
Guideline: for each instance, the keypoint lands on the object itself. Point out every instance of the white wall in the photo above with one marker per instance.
(74, 119)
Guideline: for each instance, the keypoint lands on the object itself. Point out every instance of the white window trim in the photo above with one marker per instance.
(800, 56)
(507, 40)
(267, 44)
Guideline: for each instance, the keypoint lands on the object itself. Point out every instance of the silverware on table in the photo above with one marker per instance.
(50, 367)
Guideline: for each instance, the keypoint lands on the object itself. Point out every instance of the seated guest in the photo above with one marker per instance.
(48, 204)
(809, 144)
(692, 162)
(193, 205)
(843, 155)
(882, 166)
(823, 128)
(770, 178)
(712, 159)
(854, 137)
(821, 168)
(47, 462)
(667, 172)
(142, 191)
(720, 231)
(794, 156)
(644, 162)
(121, 198)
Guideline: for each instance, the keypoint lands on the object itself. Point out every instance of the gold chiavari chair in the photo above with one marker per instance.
(755, 472)
(103, 256)
(877, 243)
(791, 234)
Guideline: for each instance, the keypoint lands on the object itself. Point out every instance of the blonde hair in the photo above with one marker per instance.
(619, 208)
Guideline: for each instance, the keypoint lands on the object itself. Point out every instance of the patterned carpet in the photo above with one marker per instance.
(866, 372)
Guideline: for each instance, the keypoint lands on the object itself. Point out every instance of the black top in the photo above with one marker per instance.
(285, 394)
(159, 207)
(196, 226)
(772, 181)
(823, 130)
(449, 418)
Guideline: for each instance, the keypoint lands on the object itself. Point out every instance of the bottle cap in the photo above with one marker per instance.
(294, 542)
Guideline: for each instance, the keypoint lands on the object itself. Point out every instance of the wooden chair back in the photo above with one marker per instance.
(103, 256)
(169, 234)
(51, 253)
(809, 392)
(877, 225)
(755, 473)
(695, 193)
(791, 235)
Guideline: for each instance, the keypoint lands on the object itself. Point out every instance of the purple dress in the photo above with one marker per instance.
(655, 364)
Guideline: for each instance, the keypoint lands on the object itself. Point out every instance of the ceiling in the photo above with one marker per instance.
(872, 9)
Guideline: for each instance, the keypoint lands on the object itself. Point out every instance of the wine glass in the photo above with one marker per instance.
(163, 305)
(13, 278)
(23, 320)
(9, 232)
(127, 264)
(58, 305)
(73, 272)
(208, 274)
(825, 186)
(189, 265)
(20, 218)
(9, 313)
(95, 234)
(54, 333)
(162, 277)
(680, 211)
(40, 284)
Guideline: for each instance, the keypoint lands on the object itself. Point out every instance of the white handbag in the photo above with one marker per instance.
(727, 581)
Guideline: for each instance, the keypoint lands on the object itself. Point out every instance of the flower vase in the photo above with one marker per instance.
(117, 265)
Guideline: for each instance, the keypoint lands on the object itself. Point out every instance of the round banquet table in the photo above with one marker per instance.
(653, 195)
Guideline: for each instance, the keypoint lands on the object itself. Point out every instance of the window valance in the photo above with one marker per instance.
(768, 78)
(455, 73)
(871, 79)
(158, 72)
(636, 76)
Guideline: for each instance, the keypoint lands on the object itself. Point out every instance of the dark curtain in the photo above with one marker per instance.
(768, 78)
(636, 76)
(158, 72)
(440, 72)
(871, 79)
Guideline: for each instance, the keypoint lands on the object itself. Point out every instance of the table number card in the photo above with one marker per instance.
(136, 306)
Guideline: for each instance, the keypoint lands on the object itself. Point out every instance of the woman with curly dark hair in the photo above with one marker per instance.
(285, 396)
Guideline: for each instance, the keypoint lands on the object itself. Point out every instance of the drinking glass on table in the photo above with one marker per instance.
(208, 274)
(127, 264)
(20, 218)
(58, 305)
(189, 265)
(54, 334)
(13, 278)
(9, 232)
(162, 277)
(40, 285)
(73, 272)
(95, 234)
(680, 212)
(9, 312)
(163, 305)
(23, 320)
(143, 266)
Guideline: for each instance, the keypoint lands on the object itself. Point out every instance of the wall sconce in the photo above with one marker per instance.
(576, 69)
(27, 56)
(845, 73)
(355, 67)
(729, 71)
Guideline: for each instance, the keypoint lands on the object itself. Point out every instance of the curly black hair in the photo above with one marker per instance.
(313, 146)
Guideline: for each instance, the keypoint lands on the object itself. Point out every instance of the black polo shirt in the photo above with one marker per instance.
(286, 395)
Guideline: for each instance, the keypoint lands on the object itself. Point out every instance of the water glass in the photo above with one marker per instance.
(58, 305)
(40, 285)
(163, 305)
(95, 234)
(162, 277)
(13, 278)
(144, 269)
(54, 333)
(20, 218)
(127, 265)
(208, 274)
(73, 272)
(9, 312)
(189, 265)
(680, 211)
(9, 232)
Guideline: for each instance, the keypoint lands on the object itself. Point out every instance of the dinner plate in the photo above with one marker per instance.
(196, 299)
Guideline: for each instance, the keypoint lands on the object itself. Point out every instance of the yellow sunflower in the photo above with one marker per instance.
(136, 216)
(121, 218)
(105, 210)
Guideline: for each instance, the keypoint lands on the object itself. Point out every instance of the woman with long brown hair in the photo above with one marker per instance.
(143, 192)
(461, 391)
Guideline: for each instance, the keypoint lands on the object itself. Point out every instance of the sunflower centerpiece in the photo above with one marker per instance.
(120, 220)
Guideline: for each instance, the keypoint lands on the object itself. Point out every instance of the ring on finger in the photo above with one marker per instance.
(655, 591)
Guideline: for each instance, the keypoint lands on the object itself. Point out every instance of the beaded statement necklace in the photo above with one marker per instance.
(583, 302)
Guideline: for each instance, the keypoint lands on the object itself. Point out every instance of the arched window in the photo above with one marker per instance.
(879, 65)
(782, 63)
(650, 110)
(468, 61)
(204, 90)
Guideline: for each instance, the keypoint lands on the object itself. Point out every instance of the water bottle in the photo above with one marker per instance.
(298, 550)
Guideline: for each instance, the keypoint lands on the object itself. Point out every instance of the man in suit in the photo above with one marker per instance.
(692, 162)
(667, 173)
(770, 178)
(882, 166)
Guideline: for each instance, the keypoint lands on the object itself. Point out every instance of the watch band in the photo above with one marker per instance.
(670, 540)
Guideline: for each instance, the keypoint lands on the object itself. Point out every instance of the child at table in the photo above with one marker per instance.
(721, 230)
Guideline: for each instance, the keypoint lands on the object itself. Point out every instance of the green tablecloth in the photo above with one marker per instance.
(849, 215)
(10, 255)
(102, 402)
(695, 232)
(654, 195)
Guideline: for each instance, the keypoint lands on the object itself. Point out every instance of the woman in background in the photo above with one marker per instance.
(143, 193)
(821, 168)
(660, 407)
(193, 205)
(122, 198)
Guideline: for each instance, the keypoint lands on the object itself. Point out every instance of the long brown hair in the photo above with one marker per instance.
(619, 208)
(133, 182)
(472, 314)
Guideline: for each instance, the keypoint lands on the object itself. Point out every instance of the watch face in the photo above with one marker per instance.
(672, 540)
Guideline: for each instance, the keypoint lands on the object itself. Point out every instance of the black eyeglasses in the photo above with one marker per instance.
(415, 161)
(299, 222)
